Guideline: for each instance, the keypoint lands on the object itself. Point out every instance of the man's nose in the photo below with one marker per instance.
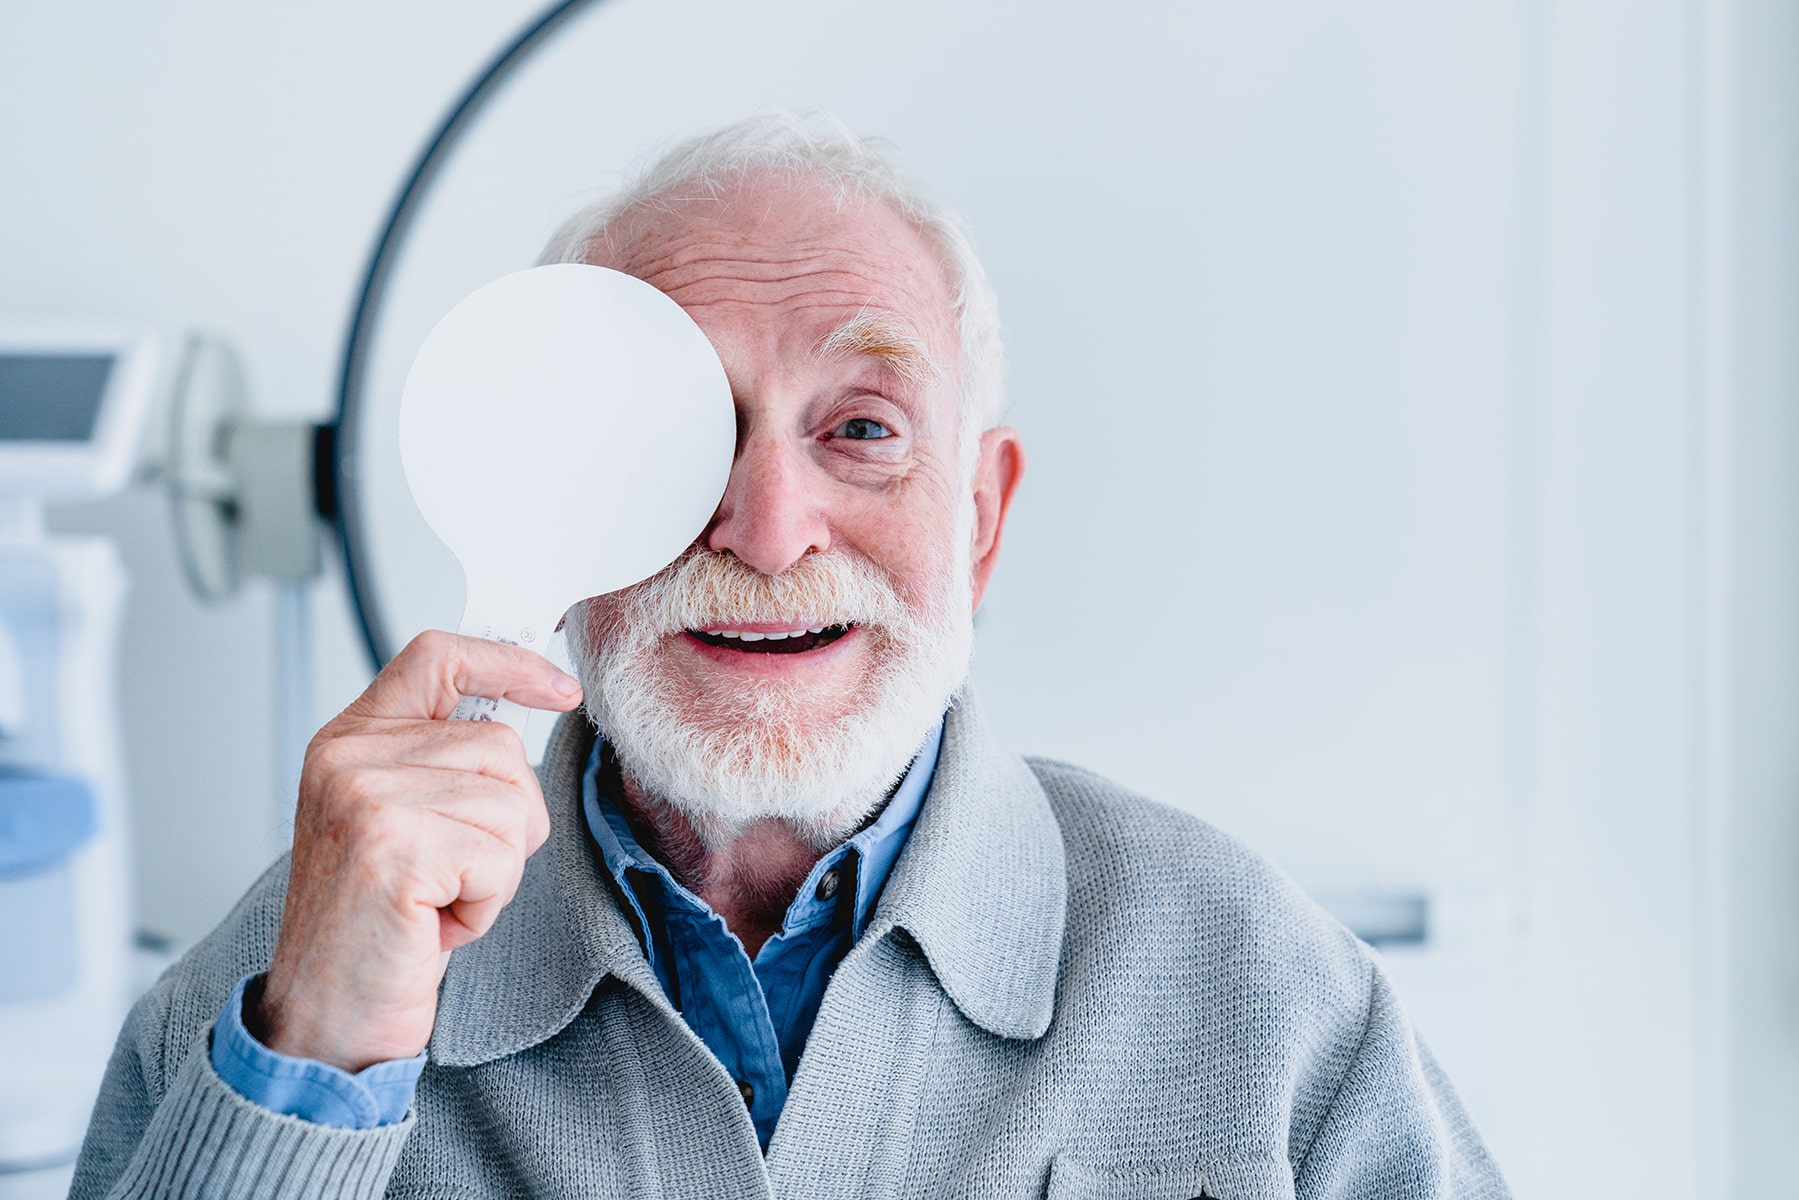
(769, 517)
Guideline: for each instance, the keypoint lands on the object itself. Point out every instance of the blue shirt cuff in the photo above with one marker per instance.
(304, 1088)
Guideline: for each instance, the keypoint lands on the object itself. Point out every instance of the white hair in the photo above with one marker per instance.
(821, 149)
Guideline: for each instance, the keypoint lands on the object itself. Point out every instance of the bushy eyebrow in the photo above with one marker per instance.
(876, 333)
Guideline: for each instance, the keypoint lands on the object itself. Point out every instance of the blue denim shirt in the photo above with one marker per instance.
(305, 1088)
(754, 1016)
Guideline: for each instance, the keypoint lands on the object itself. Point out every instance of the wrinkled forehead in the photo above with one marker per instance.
(791, 256)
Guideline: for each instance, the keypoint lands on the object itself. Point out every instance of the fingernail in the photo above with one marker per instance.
(567, 684)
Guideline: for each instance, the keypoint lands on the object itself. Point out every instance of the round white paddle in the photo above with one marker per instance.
(573, 393)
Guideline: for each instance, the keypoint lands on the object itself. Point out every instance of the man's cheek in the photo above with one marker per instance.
(924, 592)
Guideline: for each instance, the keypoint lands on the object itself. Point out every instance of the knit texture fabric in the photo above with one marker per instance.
(1066, 991)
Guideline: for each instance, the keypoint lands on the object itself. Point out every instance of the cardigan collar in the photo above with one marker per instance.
(981, 887)
(982, 883)
(531, 974)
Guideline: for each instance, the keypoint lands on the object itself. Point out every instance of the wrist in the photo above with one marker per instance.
(274, 1019)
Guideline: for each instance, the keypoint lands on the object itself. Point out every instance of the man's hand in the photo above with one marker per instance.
(410, 836)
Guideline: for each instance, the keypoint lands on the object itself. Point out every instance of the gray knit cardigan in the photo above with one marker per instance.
(1066, 991)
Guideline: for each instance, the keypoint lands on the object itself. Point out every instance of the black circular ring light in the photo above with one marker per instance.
(340, 498)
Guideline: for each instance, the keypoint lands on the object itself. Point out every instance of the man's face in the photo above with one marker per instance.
(790, 664)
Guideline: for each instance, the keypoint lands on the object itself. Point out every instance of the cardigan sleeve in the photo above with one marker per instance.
(200, 1138)
(1395, 1130)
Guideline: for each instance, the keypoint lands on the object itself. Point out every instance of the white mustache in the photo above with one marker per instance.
(704, 589)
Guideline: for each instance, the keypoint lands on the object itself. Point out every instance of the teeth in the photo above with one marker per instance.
(746, 636)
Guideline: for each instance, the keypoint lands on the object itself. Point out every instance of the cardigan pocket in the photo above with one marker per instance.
(1254, 1179)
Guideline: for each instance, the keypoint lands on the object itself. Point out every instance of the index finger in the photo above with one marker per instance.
(437, 669)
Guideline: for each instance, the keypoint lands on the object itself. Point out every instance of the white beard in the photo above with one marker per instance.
(772, 748)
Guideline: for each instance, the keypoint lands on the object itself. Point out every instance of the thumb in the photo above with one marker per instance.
(437, 669)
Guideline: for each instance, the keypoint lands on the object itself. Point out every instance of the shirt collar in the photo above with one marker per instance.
(872, 851)
(980, 884)
(880, 844)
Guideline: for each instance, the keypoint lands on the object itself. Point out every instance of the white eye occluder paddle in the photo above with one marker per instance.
(574, 392)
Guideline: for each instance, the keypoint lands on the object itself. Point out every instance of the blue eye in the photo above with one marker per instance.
(862, 429)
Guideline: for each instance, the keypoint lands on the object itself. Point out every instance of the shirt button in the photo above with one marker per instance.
(747, 1092)
(828, 882)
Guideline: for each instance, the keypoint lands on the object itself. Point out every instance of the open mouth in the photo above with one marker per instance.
(796, 641)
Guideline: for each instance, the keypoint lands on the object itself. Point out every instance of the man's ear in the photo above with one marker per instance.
(996, 479)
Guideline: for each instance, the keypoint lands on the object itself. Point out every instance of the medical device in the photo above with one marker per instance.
(564, 388)
(73, 403)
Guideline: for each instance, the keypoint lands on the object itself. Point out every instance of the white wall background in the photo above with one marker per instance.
(1409, 401)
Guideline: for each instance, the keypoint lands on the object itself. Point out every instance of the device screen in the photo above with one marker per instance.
(51, 397)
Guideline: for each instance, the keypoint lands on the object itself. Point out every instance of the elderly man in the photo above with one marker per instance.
(783, 918)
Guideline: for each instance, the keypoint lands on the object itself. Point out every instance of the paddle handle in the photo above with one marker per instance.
(487, 708)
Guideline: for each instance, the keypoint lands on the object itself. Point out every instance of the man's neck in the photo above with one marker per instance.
(749, 881)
